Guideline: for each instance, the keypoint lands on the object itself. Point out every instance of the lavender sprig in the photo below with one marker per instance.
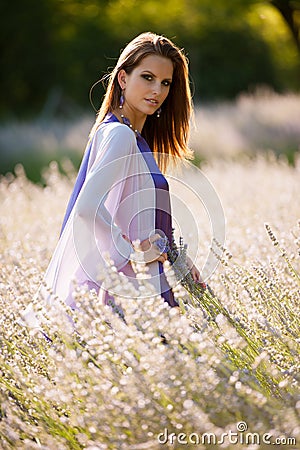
(200, 294)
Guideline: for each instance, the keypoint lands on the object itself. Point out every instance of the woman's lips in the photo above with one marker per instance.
(152, 101)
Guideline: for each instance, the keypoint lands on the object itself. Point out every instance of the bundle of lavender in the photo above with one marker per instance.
(202, 296)
(200, 293)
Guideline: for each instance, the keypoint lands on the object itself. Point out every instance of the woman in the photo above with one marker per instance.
(120, 193)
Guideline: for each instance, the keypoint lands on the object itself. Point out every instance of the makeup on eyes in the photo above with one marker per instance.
(149, 75)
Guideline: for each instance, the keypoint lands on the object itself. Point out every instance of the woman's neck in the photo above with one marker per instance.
(135, 122)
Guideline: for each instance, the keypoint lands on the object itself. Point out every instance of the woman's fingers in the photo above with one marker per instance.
(147, 243)
(197, 278)
(154, 254)
(195, 272)
(163, 257)
(151, 251)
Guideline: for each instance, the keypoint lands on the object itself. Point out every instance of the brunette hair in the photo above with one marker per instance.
(168, 134)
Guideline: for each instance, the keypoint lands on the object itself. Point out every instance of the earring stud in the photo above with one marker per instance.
(158, 112)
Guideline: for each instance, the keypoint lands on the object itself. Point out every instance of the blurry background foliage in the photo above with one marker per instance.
(52, 51)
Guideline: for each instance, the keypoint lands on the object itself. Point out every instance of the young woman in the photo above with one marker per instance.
(121, 194)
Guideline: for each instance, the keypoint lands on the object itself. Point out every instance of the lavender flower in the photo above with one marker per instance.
(162, 244)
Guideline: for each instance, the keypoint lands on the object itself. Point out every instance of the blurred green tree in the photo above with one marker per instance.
(27, 54)
(53, 50)
(290, 11)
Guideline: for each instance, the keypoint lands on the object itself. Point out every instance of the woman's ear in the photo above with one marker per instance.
(122, 79)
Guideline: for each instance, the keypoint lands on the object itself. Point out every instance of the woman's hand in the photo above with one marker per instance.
(151, 251)
(195, 272)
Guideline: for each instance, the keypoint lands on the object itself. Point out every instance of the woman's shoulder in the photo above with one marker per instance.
(113, 139)
(115, 131)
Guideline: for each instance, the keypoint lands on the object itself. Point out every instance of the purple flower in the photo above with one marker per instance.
(162, 244)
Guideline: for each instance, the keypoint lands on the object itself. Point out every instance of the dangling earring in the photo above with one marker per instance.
(121, 101)
(158, 112)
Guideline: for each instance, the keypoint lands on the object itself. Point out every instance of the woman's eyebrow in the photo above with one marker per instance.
(151, 73)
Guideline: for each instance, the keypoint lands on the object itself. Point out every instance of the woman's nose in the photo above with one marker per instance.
(157, 88)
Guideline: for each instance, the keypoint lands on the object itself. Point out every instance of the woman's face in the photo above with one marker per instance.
(147, 86)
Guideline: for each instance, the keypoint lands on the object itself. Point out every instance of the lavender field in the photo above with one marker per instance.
(229, 381)
(253, 123)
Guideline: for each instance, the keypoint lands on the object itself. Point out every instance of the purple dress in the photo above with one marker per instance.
(119, 191)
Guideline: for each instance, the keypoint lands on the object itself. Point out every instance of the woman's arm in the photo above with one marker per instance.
(94, 230)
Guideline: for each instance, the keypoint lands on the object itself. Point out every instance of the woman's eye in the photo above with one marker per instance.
(150, 78)
(147, 77)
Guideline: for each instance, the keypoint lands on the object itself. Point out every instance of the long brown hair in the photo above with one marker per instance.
(167, 135)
